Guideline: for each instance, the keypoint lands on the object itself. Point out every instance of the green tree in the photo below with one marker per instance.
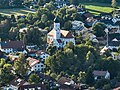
(67, 25)
(44, 18)
(51, 50)
(2, 62)
(89, 77)
(34, 79)
(21, 65)
(98, 29)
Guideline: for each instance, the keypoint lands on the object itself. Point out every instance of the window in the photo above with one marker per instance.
(41, 65)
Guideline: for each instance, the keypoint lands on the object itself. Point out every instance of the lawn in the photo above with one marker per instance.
(16, 11)
(97, 8)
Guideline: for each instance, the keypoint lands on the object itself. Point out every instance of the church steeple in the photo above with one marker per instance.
(57, 27)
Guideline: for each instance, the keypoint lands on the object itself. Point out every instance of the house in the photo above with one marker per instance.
(90, 21)
(78, 26)
(42, 55)
(58, 37)
(113, 40)
(38, 86)
(12, 46)
(101, 74)
(16, 83)
(60, 3)
(112, 26)
(65, 83)
(20, 84)
(87, 15)
(35, 65)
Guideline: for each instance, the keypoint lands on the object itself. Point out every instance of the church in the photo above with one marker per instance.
(58, 37)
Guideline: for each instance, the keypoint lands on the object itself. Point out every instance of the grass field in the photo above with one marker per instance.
(97, 8)
(17, 11)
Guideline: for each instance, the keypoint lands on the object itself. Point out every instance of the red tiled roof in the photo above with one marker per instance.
(32, 61)
(64, 34)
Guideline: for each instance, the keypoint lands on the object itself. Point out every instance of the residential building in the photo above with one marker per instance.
(78, 26)
(58, 37)
(35, 65)
(65, 83)
(38, 86)
(101, 74)
(12, 46)
(60, 3)
(20, 84)
(114, 40)
(42, 55)
(16, 83)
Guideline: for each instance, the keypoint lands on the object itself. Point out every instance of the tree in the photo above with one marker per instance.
(75, 2)
(53, 75)
(81, 77)
(114, 3)
(34, 79)
(5, 75)
(89, 77)
(44, 18)
(34, 36)
(98, 29)
(90, 58)
(2, 62)
(67, 25)
(51, 50)
(20, 65)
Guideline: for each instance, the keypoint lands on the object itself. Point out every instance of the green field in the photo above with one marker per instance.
(97, 8)
(17, 11)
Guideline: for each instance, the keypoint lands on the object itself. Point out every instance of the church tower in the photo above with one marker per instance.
(57, 28)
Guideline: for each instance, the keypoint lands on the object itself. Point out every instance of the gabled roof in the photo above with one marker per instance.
(114, 39)
(63, 80)
(12, 44)
(18, 82)
(87, 14)
(64, 34)
(33, 86)
(32, 61)
(99, 73)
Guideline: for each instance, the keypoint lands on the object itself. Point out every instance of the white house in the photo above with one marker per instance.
(42, 55)
(101, 74)
(59, 38)
(12, 46)
(35, 65)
